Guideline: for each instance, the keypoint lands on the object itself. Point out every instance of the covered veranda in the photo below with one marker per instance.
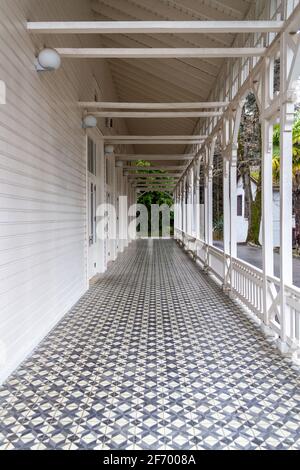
(123, 343)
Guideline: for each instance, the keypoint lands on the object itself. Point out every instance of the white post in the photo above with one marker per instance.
(233, 203)
(190, 202)
(266, 97)
(287, 109)
(208, 199)
(226, 219)
(184, 211)
(197, 199)
(286, 249)
(267, 214)
(175, 211)
(226, 207)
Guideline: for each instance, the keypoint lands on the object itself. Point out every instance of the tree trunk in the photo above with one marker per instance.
(255, 217)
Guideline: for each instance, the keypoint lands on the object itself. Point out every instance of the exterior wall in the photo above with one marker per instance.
(241, 222)
(276, 220)
(43, 205)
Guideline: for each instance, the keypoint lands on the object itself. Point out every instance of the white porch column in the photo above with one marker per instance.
(178, 202)
(233, 203)
(126, 192)
(184, 211)
(287, 109)
(190, 191)
(286, 209)
(208, 193)
(264, 96)
(197, 199)
(226, 207)
(226, 221)
(267, 214)
(175, 210)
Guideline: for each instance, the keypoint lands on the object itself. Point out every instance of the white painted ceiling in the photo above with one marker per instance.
(156, 80)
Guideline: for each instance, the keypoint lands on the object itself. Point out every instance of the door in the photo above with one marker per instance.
(92, 226)
(92, 208)
(107, 231)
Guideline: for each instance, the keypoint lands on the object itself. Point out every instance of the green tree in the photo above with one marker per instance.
(155, 197)
(249, 158)
(295, 167)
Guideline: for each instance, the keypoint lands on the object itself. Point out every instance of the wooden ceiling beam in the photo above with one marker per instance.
(162, 167)
(152, 27)
(154, 157)
(117, 105)
(159, 53)
(157, 142)
(132, 11)
(142, 138)
(157, 176)
(159, 115)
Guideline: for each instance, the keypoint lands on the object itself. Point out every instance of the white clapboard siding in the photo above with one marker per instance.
(43, 243)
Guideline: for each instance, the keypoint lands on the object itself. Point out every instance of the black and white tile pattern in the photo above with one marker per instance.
(154, 356)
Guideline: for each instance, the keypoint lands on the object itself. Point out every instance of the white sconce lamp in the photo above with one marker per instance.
(48, 60)
(119, 164)
(126, 173)
(109, 149)
(89, 122)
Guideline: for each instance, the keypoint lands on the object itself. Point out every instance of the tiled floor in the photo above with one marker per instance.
(154, 356)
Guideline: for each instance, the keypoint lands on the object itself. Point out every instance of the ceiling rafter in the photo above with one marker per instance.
(158, 53)
(135, 71)
(121, 11)
(195, 27)
(167, 127)
(166, 10)
(169, 73)
(136, 84)
(233, 6)
(179, 65)
(143, 106)
(131, 90)
(207, 67)
(203, 9)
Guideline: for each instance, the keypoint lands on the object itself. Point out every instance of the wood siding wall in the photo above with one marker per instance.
(43, 245)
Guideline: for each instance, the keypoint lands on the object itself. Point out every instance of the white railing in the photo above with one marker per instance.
(292, 298)
(247, 284)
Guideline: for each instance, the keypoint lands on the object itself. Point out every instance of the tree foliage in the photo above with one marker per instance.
(155, 197)
(296, 153)
(249, 159)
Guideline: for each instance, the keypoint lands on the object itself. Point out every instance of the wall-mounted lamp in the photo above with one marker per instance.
(109, 149)
(119, 164)
(89, 122)
(126, 173)
(48, 60)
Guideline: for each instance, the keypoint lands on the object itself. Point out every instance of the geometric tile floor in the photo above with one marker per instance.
(154, 356)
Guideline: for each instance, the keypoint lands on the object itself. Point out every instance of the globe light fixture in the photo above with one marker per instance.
(48, 60)
(109, 149)
(89, 122)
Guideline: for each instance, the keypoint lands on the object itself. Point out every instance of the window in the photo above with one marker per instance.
(92, 152)
(107, 169)
(202, 196)
(240, 205)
